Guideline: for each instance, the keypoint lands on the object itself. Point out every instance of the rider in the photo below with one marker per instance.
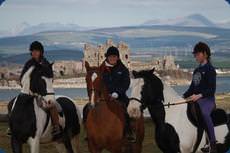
(203, 87)
(117, 80)
(37, 57)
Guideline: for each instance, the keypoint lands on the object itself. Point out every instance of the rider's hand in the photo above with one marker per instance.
(114, 95)
(194, 97)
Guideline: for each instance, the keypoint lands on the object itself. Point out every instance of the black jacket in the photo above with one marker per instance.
(117, 80)
(32, 62)
(203, 82)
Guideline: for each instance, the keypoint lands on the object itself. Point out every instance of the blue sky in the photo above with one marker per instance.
(106, 13)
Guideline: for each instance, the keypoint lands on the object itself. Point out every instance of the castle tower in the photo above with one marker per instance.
(96, 55)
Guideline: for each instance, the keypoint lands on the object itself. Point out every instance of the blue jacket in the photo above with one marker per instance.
(117, 80)
(203, 82)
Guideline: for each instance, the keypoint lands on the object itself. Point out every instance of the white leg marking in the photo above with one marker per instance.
(34, 144)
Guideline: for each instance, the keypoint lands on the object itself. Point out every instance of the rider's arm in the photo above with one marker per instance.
(189, 92)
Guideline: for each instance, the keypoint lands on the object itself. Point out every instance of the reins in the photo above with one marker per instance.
(185, 101)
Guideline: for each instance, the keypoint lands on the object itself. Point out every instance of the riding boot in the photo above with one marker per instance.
(8, 132)
(129, 133)
(57, 130)
(205, 149)
(213, 147)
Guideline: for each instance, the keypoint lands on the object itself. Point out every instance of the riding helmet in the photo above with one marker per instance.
(36, 45)
(112, 51)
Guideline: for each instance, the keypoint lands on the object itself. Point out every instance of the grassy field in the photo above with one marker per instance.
(149, 145)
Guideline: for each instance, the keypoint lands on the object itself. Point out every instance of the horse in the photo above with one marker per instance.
(146, 94)
(105, 119)
(179, 132)
(29, 120)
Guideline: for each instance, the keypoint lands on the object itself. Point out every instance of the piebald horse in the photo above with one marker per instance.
(147, 86)
(105, 119)
(29, 120)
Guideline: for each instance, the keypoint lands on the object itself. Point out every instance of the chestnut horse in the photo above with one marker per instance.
(105, 120)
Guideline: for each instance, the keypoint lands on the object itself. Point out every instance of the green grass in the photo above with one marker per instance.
(149, 145)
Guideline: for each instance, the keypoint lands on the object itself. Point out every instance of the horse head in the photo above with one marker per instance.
(38, 81)
(147, 89)
(95, 85)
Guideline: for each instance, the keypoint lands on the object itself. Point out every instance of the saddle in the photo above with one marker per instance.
(219, 116)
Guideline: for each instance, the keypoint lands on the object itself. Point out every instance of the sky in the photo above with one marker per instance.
(106, 13)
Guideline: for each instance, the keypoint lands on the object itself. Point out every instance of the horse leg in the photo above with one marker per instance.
(68, 144)
(34, 144)
(92, 147)
(75, 141)
(16, 145)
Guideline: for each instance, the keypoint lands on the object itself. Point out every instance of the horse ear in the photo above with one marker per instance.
(134, 74)
(152, 70)
(51, 64)
(87, 66)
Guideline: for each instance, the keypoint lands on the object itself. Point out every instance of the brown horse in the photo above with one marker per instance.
(106, 119)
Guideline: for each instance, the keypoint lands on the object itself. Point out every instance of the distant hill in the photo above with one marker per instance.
(52, 55)
(51, 27)
(194, 20)
(158, 40)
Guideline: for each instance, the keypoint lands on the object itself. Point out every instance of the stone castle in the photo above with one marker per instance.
(95, 55)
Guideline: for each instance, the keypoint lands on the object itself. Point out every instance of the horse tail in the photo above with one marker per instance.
(71, 113)
(222, 148)
(168, 139)
(200, 132)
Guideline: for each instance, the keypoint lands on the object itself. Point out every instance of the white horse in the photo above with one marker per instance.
(29, 121)
(175, 115)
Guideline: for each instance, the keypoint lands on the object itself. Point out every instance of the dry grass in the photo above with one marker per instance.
(149, 145)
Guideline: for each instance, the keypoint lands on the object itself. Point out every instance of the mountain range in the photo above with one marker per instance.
(194, 20)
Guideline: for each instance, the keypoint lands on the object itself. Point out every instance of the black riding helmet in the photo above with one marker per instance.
(36, 45)
(112, 51)
(203, 48)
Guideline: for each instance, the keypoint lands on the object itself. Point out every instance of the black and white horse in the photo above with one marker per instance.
(174, 131)
(29, 120)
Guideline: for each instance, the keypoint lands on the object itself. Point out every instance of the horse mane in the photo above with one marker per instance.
(152, 90)
(39, 71)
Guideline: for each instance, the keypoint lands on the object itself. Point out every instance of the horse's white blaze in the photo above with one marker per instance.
(26, 81)
(92, 98)
(134, 106)
(94, 76)
(49, 89)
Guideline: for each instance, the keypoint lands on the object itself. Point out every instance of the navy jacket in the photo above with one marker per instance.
(30, 63)
(203, 82)
(117, 80)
